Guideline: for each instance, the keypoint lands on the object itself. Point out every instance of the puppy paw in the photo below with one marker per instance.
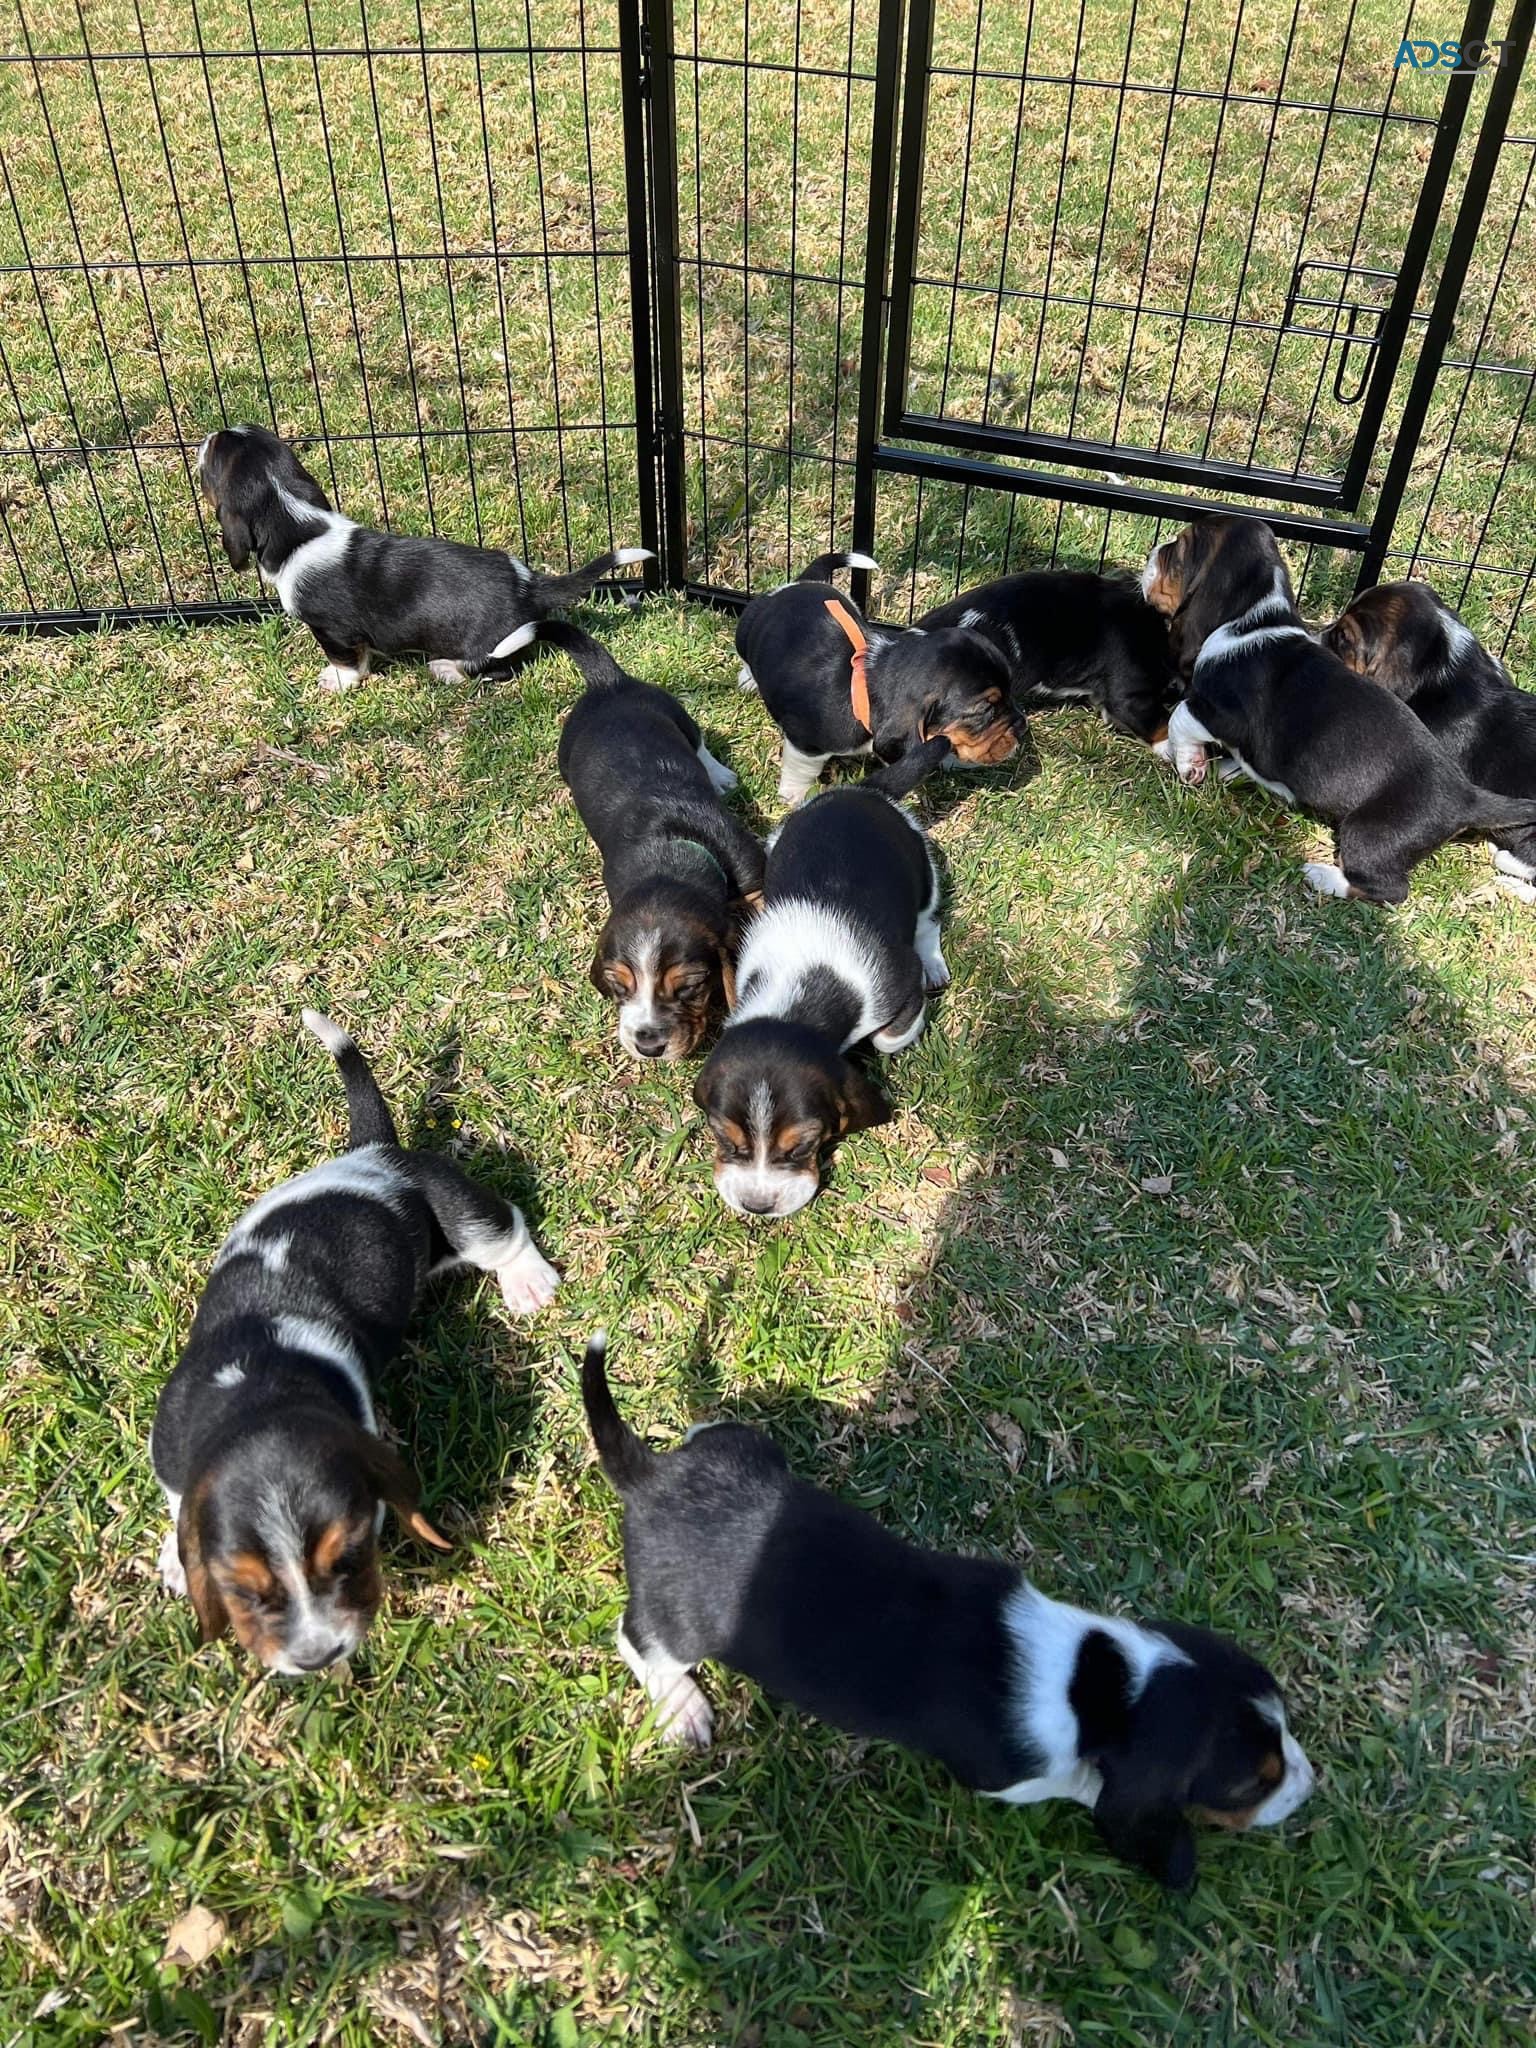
(935, 973)
(172, 1574)
(1227, 770)
(447, 671)
(684, 1716)
(528, 1281)
(745, 680)
(1325, 878)
(1513, 885)
(1163, 749)
(1191, 764)
(334, 677)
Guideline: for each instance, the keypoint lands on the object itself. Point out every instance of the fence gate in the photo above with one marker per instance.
(1135, 264)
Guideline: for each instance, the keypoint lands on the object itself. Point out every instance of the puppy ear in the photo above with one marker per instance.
(236, 535)
(728, 975)
(1144, 1826)
(598, 972)
(893, 735)
(860, 1103)
(207, 1602)
(396, 1483)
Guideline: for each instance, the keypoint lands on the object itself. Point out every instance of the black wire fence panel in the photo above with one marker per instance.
(395, 228)
(415, 231)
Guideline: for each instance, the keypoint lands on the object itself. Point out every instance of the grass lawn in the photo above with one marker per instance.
(1195, 1273)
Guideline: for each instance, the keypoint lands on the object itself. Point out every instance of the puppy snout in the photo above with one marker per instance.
(319, 1659)
(758, 1204)
(650, 1040)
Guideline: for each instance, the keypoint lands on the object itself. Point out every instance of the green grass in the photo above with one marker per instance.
(1291, 1396)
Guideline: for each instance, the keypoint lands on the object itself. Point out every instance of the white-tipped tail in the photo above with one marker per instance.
(598, 1341)
(858, 561)
(331, 1036)
(622, 557)
(515, 642)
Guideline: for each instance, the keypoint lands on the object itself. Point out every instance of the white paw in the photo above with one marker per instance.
(745, 680)
(1191, 763)
(888, 1041)
(683, 1715)
(172, 1575)
(1509, 863)
(1228, 770)
(1512, 885)
(447, 671)
(936, 971)
(1325, 878)
(527, 1282)
(1163, 749)
(721, 777)
(334, 678)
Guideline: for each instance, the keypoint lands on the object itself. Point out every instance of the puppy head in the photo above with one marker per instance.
(777, 1096)
(1398, 635)
(1206, 1734)
(241, 469)
(950, 681)
(279, 1540)
(1209, 575)
(669, 970)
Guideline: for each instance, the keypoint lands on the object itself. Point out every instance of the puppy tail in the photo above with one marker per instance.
(1494, 813)
(548, 593)
(625, 1459)
(599, 670)
(367, 1110)
(825, 567)
(899, 778)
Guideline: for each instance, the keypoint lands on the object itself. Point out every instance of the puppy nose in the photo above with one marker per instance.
(650, 1040)
(321, 1658)
(758, 1205)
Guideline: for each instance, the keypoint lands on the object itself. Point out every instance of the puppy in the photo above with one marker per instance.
(264, 1438)
(730, 1557)
(835, 685)
(844, 949)
(1295, 720)
(363, 593)
(1404, 637)
(1072, 637)
(677, 866)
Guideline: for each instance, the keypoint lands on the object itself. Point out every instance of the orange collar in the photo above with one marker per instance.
(858, 690)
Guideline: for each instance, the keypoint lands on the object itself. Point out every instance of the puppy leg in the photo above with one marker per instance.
(1186, 743)
(483, 1231)
(745, 680)
(172, 1572)
(929, 951)
(720, 776)
(682, 1714)
(448, 671)
(346, 667)
(1372, 862)
(798, 773)
(1519, 875)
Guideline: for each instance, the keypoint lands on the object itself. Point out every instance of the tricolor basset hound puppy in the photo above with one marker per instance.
(1294, 719)
(1404, 637)
(265, 1437)
(836, 686)
(1071, 637)
(731, 1559)
(363, 593)
(680, 871)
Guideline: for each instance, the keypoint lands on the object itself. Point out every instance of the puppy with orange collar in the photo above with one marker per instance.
(265, 1438)
(836, 686)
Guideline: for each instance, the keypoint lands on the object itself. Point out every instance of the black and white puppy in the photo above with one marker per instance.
(1404, 637)
(1070, 637)
(730, 1558)
(678, 868)
(363, 593)
(1295, 720)
(831, 699)
(265, 1438)
(843, 951)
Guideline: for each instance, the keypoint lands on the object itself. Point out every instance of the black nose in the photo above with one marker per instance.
(758, 1205)
(325, 1657)
(650, 1042)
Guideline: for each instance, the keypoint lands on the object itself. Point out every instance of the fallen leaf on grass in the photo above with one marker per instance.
(1158, 1184)
(193, 1938)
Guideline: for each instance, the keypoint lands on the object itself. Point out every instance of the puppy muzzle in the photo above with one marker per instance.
(765, 1191)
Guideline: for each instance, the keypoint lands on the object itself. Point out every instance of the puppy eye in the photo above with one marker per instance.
(806, 1149)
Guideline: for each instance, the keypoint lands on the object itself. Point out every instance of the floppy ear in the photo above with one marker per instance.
(236, 535)
(728, 976)
(860, 1103)
(1144, 1824)
(598, 972)
(397, 1484)
(894, 734)
(207, 1602)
